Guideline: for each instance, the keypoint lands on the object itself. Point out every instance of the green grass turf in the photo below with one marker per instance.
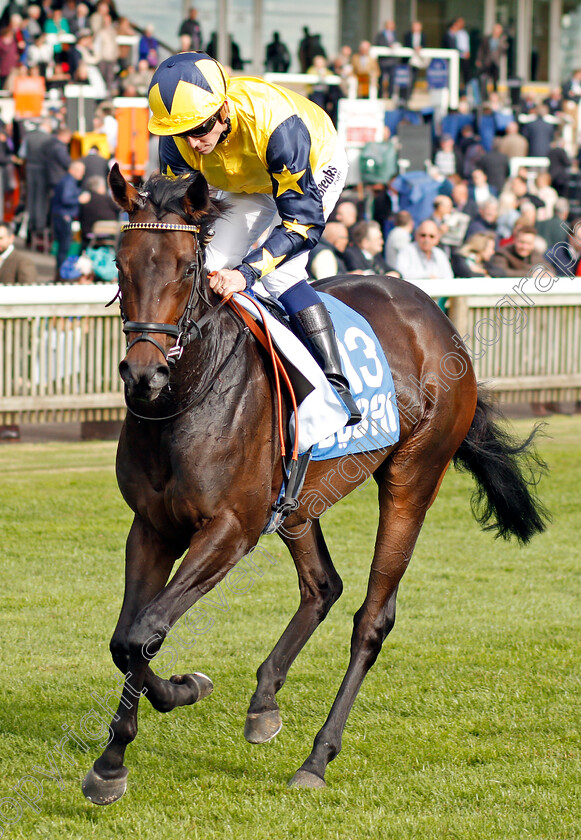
(467, 726)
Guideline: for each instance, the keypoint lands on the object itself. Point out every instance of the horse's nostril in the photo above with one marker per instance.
(160, 378)
(125, 372)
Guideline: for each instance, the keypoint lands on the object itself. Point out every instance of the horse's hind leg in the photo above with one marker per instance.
(407, 486)
(320, 586)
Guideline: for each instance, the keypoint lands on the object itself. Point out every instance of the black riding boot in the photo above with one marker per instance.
(316, 326)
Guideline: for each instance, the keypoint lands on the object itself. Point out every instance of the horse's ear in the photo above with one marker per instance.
(197, 199)
(124, 193)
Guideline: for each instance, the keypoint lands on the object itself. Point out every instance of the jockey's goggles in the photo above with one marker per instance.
(203, 129)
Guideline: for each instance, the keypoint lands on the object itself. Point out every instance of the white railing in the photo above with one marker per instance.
(60, 347)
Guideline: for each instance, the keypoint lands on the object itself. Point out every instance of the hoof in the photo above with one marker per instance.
(262, 727)
(202, 686)
(101, 791)
(304, 779)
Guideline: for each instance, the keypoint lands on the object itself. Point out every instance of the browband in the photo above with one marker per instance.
(158, 226)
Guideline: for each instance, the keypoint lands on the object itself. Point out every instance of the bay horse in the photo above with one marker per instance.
(199, 463)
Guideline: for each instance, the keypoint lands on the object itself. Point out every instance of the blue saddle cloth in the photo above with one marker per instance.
(371, 382)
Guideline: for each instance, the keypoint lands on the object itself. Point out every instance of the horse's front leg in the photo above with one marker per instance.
(148, 564)
(213, 551)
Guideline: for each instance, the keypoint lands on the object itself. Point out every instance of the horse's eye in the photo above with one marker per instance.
(189, 270)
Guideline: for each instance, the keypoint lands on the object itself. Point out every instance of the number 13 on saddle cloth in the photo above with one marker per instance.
(366, 368)
(321, 412)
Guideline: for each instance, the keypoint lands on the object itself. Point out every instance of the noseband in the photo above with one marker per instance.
(186, 328)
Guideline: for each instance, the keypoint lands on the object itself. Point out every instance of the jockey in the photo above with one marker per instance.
(276, 158)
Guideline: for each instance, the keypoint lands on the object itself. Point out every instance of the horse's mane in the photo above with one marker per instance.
(166, 194)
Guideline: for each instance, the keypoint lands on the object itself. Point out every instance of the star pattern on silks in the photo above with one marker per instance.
(296, 227)
(288, 180)
(268, 262)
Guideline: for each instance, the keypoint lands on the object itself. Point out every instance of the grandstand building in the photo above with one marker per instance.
(544, 35)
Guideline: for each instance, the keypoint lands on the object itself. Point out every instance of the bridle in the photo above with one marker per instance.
(186, 328)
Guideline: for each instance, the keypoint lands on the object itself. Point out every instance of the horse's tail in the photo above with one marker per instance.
(506, 472)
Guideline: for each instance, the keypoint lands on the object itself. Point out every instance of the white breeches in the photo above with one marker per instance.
(251, 218)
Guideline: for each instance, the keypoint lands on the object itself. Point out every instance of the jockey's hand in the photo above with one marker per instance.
(227, 280)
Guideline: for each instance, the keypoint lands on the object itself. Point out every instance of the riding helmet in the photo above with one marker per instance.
(185, 91)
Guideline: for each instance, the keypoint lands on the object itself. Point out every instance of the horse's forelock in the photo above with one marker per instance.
(166, 195)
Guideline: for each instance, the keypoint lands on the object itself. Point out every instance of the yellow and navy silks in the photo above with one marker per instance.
(278, 140)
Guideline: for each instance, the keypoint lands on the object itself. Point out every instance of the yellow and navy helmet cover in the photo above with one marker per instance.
(185, 91)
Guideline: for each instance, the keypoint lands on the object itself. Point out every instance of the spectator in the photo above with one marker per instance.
(277, 58)
(539, 131)
(234, 56)
(462, 200)
(148, 46)
(423, 260)
(463, 47)
(513, 144)
(31, 27)
(559, 165)
(106, 122)
(9, 56)
(191, 26)
(185, 44)
(572, 88)
(447, 157)
(95, 205)
(107, 50)
(554, 101)
(138, 78)
(449, 37)
(552, 230)
(480, 190)
(341, 66)
(472, 259)
(97, 19)
(326, 258)
(95, 165)
(442, 208)
(495, 165)
(80, 19)
(486, 219)
(366, 69)
(309, 46)
(365, 253)
(346, 212)
(32, 151)
(490, 52)
(399, 236)
(125, 51)
(319, 91)
(547, 194)
(55, 27)
(57, 158)
(415, 39)
(517, 259)
(40, 55)
(387, 37)
(7, 168)
(64, 208)
(16, 267)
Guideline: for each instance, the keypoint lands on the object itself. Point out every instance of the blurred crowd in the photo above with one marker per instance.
(467, 211)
